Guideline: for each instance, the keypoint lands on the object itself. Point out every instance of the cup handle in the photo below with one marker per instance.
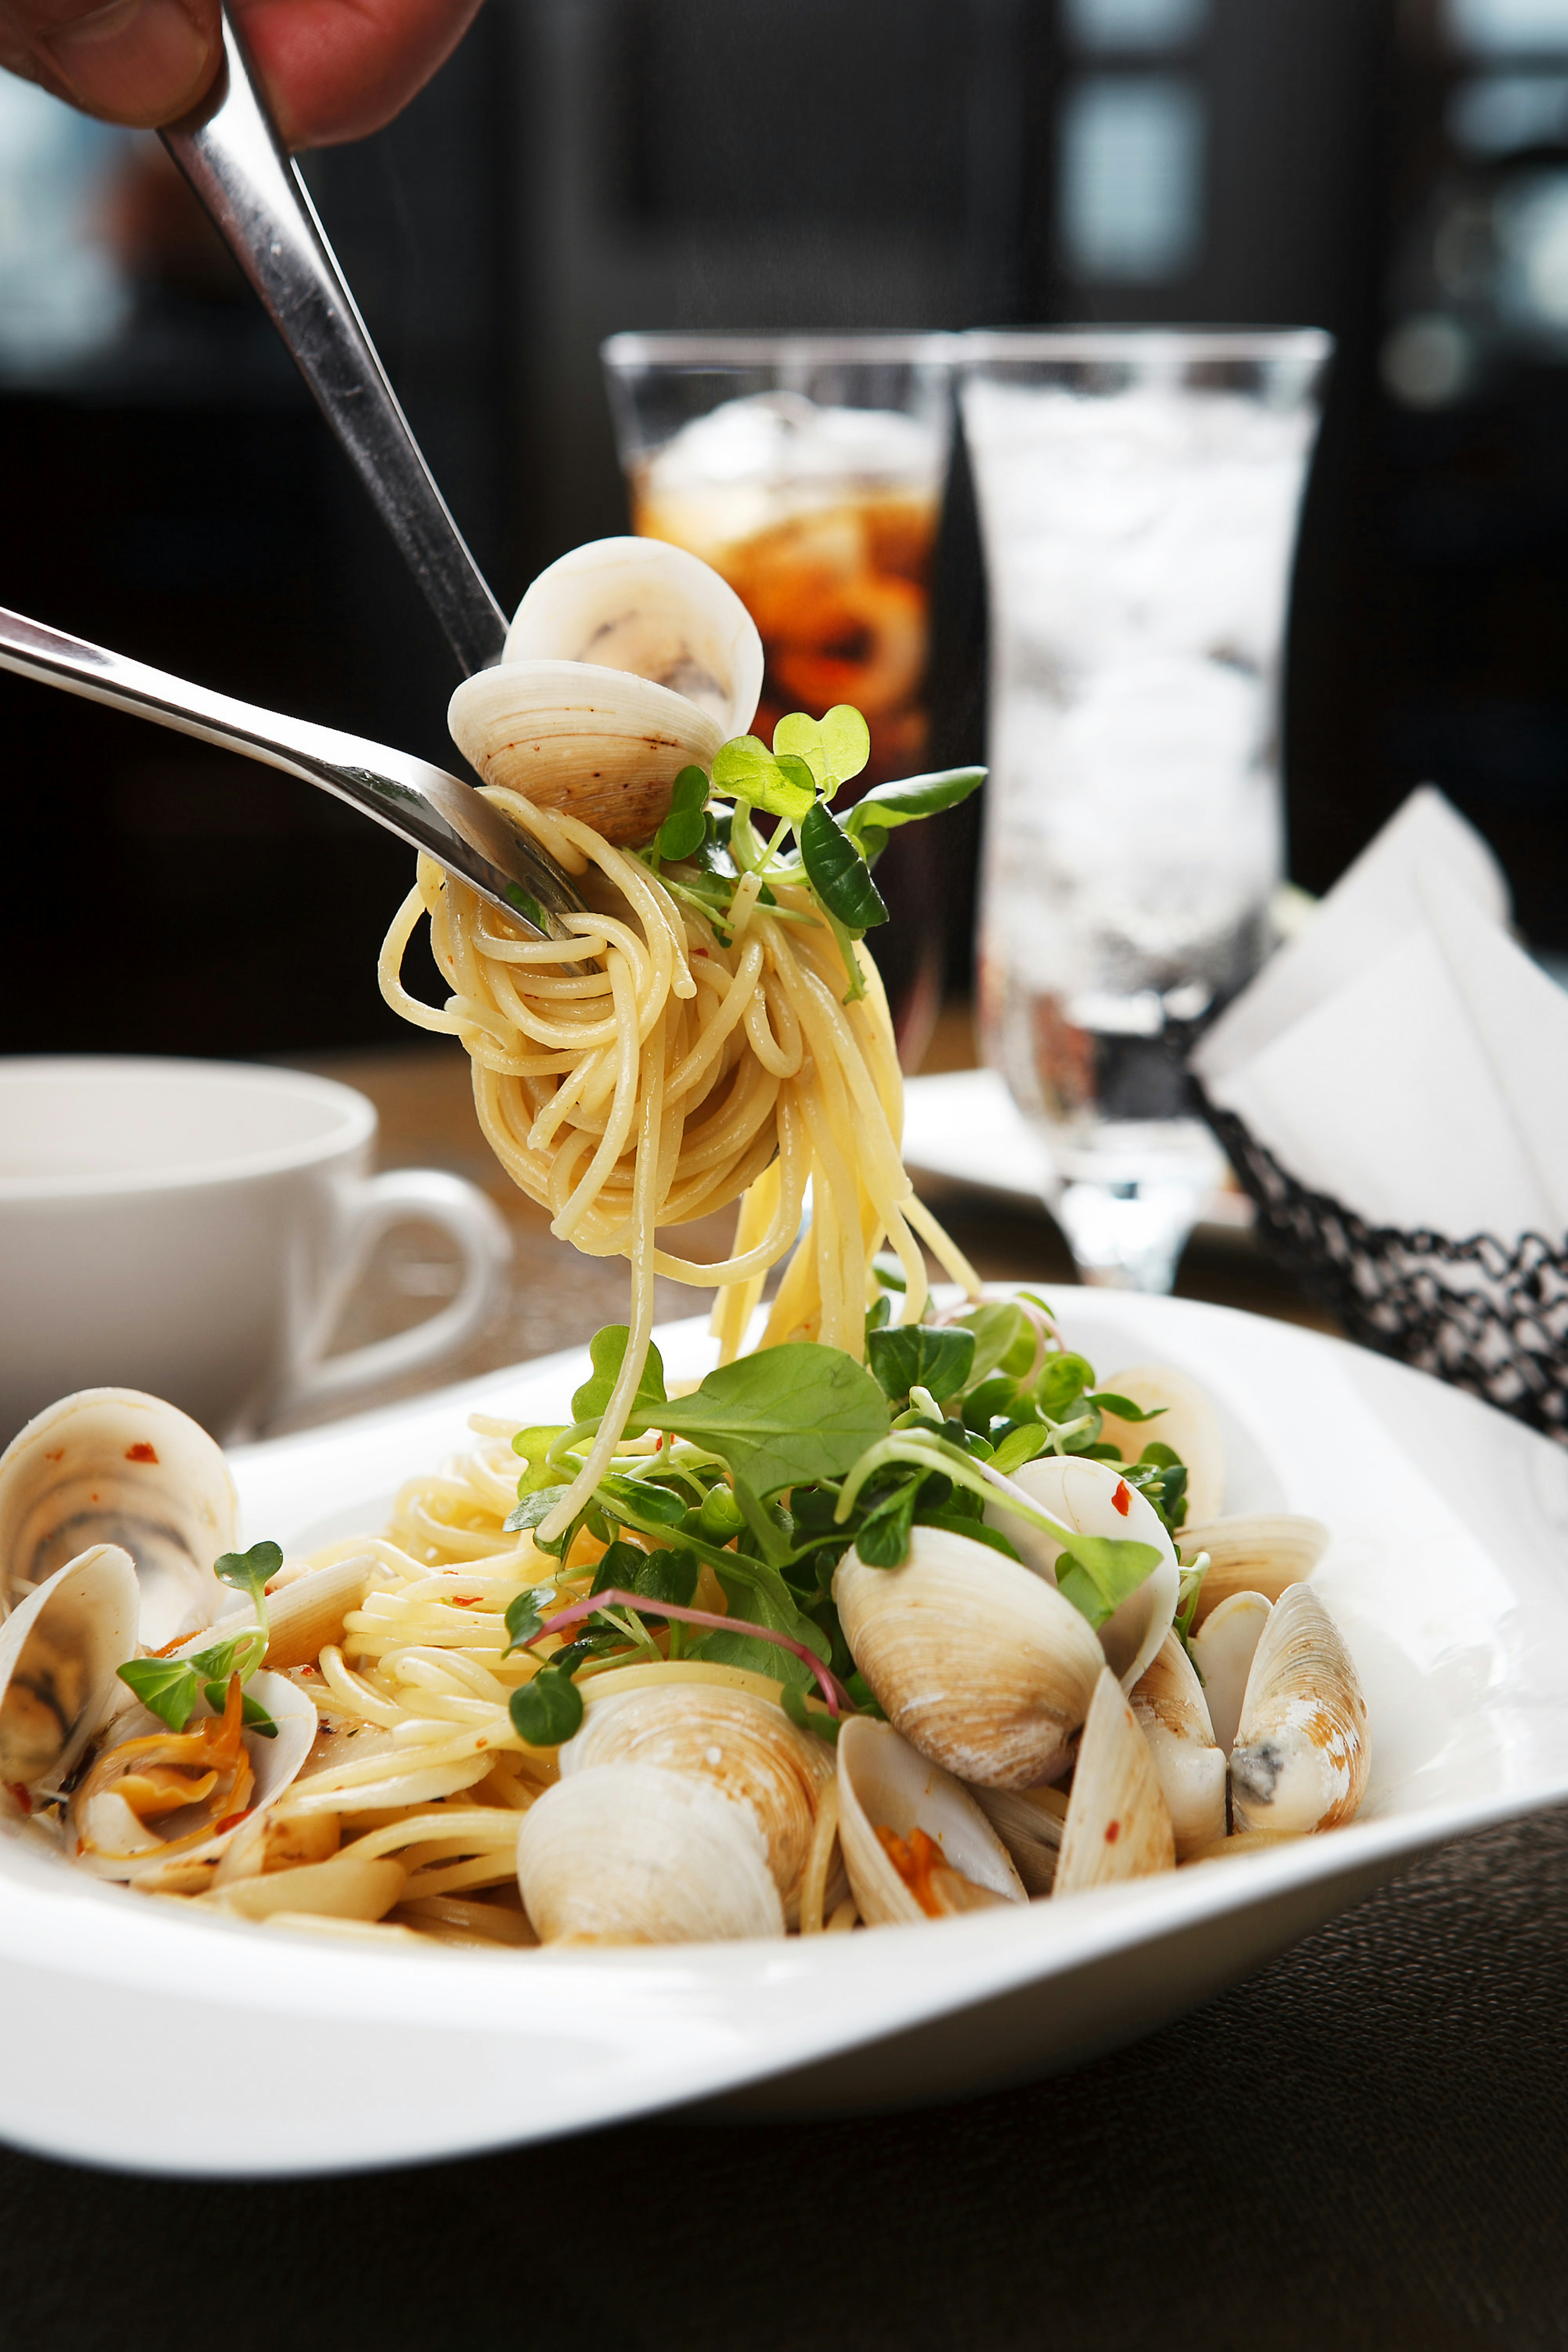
(376, 1204)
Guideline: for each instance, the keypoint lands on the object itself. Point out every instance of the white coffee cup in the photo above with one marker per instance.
(193, 1228)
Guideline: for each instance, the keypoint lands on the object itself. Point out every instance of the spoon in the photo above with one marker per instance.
(229, 150)
(451, 820)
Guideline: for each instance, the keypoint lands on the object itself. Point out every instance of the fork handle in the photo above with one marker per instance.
(230, 152)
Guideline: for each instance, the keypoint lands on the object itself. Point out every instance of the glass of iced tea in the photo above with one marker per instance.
(809, 470)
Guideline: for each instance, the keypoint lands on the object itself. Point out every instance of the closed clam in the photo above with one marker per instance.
(60, 1650)
(627, 661)
(744, 1745)
(1187, 1423)
(1118, 1825)
(114, 1466)
(1257, 1551)
(979, 1663)
(916, 1845)
(1094, 1499)
(1223, 1650)
(1300, 1761)
(629, 1853)
(1171, 1711)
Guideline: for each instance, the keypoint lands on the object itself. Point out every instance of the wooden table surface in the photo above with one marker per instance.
(556, 1298)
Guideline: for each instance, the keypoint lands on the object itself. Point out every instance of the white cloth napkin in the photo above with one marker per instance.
(1403, 1054)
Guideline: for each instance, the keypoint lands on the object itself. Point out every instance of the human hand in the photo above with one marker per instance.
(332, 69)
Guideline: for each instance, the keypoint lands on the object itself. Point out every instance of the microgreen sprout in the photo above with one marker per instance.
(170, 1687)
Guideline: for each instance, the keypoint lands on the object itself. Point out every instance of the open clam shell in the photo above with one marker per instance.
(627, 661)
(630, 1853)
(1118, 1825)
(885, 1784)
(1096, 1500)
(1029, 1824)
(1171, 1711)
(60, 1651)
(747, 1747)
(1187, 1423)
(980, 1663)
(1256, 1551)
(114, 1466)
(180, 1851)
(1301, 1752)
(1223, 1650)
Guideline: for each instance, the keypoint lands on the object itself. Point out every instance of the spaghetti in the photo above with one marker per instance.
(671, 1062)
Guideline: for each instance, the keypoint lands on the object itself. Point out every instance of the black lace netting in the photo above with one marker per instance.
(1488, 1319)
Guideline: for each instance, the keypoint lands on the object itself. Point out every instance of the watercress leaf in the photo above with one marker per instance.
(746, 769)
(798, 773)
(1063, 1379)
(883, 1539)
(873, 840)
(847, 740)
(920, 1355)
(837, 872)
(989, 1401)
(818, 1719)
(167, 1688)
(1020, 1445)
(1163, 1457)
(1123, 1407)
(255, 1717)
(243, 1654)
(1097, 1573)
(607, 1349)
(533, 1445)
(619, 1564)
(914, 797)
(787, 1416)
(683, 831)
(644, 1498)
(547, 1710)
(689, 791)
(248, 1571)
(669, 1576)
(525, 1615)
(998, 1326)
(801, 738)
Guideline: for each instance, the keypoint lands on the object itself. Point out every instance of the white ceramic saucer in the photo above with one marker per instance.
(1448, 1573)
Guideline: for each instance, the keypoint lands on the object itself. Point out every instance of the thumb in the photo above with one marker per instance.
(141, 62)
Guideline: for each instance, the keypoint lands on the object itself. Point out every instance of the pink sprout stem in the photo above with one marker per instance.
(614, 1595)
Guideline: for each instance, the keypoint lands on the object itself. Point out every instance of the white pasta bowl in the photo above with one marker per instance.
(142, 2035)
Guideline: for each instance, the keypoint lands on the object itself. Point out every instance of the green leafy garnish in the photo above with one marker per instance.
(836, 869)
(608, 1351)
(685, 829)
(916, 1355)
(1100, 1572)
(885, 806)
(546, 1710)
(787, 1416)
(747, 771)
(170, 1687)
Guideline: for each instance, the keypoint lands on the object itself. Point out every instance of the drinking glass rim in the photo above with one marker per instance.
(986, 346)
(659, 347)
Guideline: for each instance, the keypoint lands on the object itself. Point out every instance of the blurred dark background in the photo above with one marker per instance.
(1398, 173)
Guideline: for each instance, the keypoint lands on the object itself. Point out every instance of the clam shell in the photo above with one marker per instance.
(1172, 1714)
(124, 1852)
(1301, 1750)
(114, 1466)
(628, 1853)
(747, 1747)
(1223, 1650)
(1260, 1551)
(1029, 1824)
(1188, 1425)
(627, 661)
(60, 1651)
(883, 1783)
(1083, 1493)
(980, 1663)
(1118, 1825)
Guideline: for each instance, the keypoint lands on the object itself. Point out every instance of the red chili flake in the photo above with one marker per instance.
(1122, 1499)
(57, 1455)
(14, 1789)
(466, 1600)
(1112, 1831)
(232, 1821)
(142, 1453)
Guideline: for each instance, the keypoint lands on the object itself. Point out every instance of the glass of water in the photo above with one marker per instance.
(1139, 491)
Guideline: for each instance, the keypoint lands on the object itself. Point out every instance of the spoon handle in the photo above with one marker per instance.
(230, 152)
(422, 804)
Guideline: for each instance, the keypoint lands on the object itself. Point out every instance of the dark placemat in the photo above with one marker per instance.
(1365, 2145)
